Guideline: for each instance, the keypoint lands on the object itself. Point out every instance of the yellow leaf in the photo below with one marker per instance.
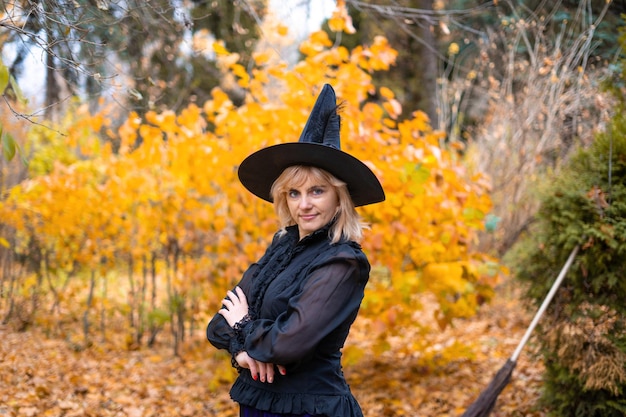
(283, 30)
(320, 38)
(335, 23)
(261, 58)
(393, 108)
(445, 277)
(386, 93)
(453, 49)
(240, 71)
(219, 48)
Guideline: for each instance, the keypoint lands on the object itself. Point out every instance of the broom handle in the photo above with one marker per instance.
(545, 303)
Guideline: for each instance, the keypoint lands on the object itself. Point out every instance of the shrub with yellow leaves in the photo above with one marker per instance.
(167, 206)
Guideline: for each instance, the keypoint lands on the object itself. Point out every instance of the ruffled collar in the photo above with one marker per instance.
(278, 258)
(324, 231)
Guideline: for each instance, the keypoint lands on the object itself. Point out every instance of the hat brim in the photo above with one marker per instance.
(259, 170)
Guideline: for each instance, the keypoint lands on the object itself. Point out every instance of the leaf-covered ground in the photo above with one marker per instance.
(46, 377)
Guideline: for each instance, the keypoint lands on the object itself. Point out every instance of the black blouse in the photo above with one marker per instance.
(303, 296)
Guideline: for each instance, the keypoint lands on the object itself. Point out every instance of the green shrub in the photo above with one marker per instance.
(582, 335)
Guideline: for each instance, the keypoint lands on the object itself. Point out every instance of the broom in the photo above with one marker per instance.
(484, 403)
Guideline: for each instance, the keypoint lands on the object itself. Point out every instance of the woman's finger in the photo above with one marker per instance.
(241, 295)
(261, 367)
(266, 372)
(254, 368)
(226, 314)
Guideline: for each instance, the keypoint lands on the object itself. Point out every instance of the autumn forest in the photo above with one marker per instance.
(496, 129)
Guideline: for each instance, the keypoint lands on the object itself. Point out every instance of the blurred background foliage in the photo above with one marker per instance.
(124, 215)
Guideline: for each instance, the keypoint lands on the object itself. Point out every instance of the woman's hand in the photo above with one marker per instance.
(260, 370)
(235, 306)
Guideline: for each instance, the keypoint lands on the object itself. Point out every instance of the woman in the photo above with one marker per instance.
(286, 322)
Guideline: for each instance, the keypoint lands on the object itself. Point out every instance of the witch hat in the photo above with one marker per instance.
(319, 146)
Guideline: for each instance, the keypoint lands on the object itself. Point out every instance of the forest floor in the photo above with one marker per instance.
(40, 376)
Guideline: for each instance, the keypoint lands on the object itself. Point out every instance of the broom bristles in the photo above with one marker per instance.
(487, 399)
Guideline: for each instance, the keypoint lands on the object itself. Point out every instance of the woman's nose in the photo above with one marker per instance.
(304, 202)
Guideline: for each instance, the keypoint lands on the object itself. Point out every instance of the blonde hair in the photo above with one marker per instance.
(348, 223)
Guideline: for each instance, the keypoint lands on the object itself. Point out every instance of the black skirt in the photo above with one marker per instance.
(253, 412)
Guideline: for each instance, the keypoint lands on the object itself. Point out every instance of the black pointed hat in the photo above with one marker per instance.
(318, 146)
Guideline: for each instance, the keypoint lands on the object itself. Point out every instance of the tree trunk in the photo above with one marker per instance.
(429, 66)
(154, 328)
(92, 285)
(105, 290)
(132, 302)
(142, 301)
(52, 86)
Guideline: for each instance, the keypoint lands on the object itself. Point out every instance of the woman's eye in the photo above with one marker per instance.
(318, 191)
(292, 194)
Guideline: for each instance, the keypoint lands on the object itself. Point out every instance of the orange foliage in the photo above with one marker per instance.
(172, 185)
(105, 382)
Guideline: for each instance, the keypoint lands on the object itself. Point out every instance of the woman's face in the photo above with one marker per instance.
(312, 205)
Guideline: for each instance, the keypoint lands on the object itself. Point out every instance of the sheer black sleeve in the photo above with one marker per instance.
(328, 303)
(219, 332)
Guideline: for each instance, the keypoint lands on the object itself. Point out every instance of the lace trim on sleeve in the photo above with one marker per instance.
(237, 342)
